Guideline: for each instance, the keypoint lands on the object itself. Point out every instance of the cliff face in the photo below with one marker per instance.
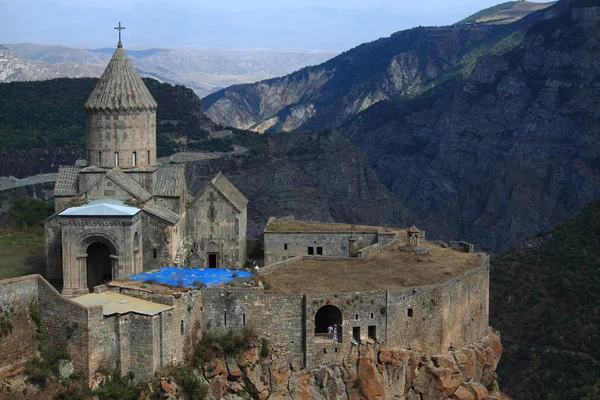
(314, 176)
(509, 152)
(366, 373)
(329, 94)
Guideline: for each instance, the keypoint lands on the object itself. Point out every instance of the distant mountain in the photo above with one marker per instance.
(14, 68)
(544, 298)
(507, 152)
(202, 69)
(329, 94)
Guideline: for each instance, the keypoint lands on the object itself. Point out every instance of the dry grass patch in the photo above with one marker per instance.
(312, 226)
(380, 271)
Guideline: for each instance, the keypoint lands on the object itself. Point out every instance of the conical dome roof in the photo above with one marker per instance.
(120, 88)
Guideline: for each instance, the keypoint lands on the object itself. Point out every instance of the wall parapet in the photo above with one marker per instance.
(375, 248)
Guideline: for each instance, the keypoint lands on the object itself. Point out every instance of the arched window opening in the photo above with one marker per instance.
(99, 158)
(116, 158)
(134, 159)
(149, 162)
(328, 324)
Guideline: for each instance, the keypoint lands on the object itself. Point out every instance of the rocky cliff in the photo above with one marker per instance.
(507, 153)
(329, 94)
(368, 372)
(314, 176)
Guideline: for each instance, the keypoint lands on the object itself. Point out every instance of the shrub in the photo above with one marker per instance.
(120, 388)
(185, 378)
(41, 370)
(264, 348)
(29, 212)
(213, 345)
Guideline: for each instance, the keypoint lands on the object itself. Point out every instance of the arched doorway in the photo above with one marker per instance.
(99, 264)
(326, 317)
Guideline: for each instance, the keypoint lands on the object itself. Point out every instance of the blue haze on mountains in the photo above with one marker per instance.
(284, 24)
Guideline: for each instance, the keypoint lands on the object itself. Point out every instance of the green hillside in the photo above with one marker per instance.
(545, 300)
(50, 114)
(504, 13)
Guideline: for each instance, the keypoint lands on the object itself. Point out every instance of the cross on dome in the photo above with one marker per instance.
(119, 28)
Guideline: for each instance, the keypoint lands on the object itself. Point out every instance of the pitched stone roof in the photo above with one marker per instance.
(101, 208)
(162, 213)
(230, 192)
(128, 184)
(66, 180)
(170, 180)
(120, 88)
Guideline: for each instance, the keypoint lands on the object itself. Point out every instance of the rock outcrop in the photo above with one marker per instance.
(316, 176)
(369, 372)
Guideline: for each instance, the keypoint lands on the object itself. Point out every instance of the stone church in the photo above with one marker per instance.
(122, 213)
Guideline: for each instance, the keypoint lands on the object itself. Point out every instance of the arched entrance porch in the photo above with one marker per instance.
(328, 324)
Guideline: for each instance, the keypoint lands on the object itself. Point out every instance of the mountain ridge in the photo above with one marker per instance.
(202, 69)
(331, 93)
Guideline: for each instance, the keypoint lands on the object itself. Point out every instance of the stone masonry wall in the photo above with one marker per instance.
(226, 228)
(15, 297)
(111, 132)
(433, 318)
(41, 316)
(280, 246)
(65, 324)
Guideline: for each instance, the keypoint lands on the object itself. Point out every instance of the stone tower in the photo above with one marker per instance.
(121, 120)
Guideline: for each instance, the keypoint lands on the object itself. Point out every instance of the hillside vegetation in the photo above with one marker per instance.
(50, 114)
(545, 299)
(504, 13)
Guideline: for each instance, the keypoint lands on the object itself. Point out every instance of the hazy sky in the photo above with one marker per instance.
(306, 24)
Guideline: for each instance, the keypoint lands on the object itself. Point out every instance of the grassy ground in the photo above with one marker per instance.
(21, 253)
(310, 226)
(379, 271)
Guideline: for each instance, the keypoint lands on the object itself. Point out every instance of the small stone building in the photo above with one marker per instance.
(287, 238)
(123, 213)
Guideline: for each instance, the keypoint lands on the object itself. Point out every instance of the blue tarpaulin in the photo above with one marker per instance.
(176, 276)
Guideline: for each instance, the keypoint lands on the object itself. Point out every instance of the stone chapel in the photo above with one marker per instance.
(123, 213)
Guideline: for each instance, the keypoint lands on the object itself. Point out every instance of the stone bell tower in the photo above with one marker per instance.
(121, 120)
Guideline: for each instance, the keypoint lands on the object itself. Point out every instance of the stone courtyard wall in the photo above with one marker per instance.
(41, 316)
(430, 319)
(333, 244)
(15, 296)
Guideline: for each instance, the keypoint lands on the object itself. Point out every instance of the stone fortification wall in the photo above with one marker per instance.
(41, 316)
(429, 319)
(436, 317)
(280, 246)
(275, 317)
(17, 328)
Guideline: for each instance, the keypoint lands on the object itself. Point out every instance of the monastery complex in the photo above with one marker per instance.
(121, 214)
